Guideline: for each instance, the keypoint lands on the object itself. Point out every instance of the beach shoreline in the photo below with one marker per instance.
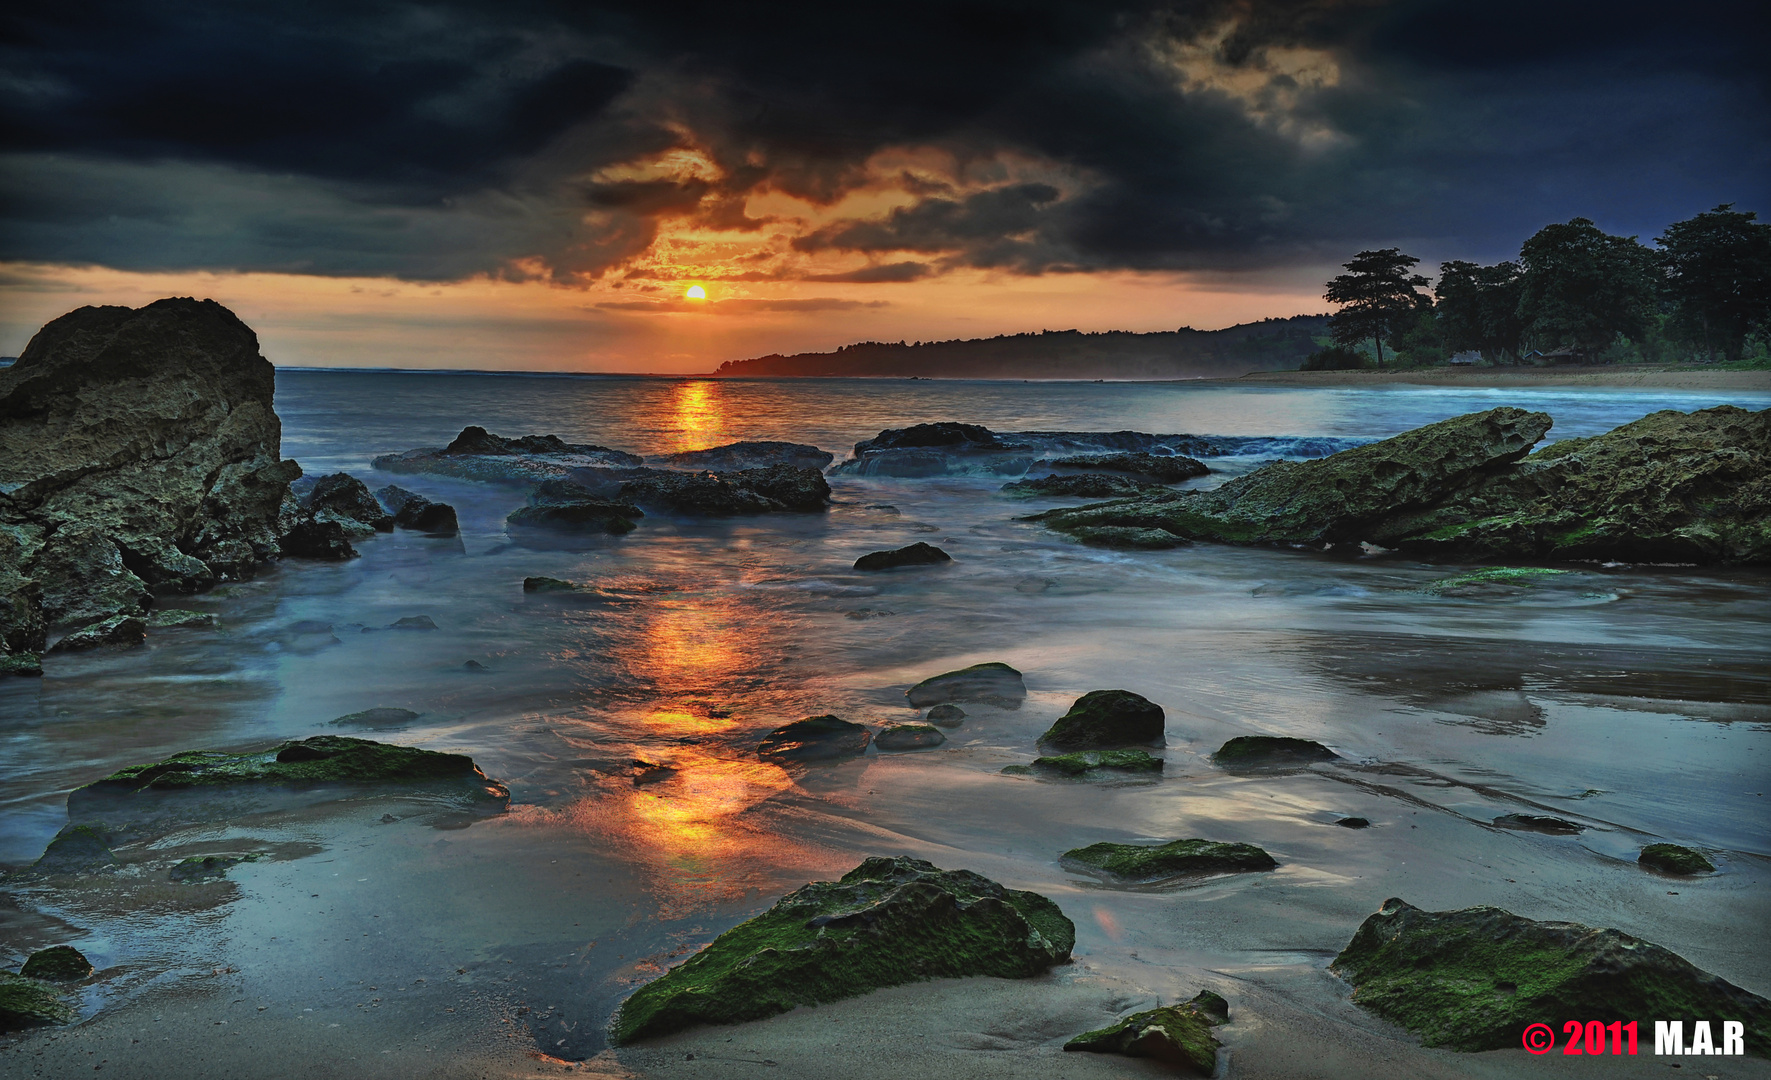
(1613, 377)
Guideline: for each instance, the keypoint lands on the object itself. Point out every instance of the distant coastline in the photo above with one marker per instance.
(1615, 376)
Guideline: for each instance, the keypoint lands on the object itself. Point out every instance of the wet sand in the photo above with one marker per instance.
(1646, 376)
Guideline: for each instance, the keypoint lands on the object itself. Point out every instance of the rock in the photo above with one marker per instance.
(1554, 826)
(179, 619)
(58, 963)
(816, 738)
(749, 455)
(946, 715)
(777, 488)
(316, 538)
(1177, 1035)
(917, 554)
(909, 737)
(413, 622)
(206, 867)
(24, 664)
(27, 1003)
(413, 511)
(989, 684)
(1106, 720)
(1475, 979)
(565, 505)
(1127, 536)
(474, 665)
(345, 496)
(1138, 862)
(548, 585)
(1164, 470)
(119, 632)
(76, 849)
(1090, 761)
(380, 717)
(886, 923)
(1488, 580)
(138, 451)
(1353, 823)
(476, 454)
(23, 628)
(1674, 859)
(1084, 485)
(1271, 752)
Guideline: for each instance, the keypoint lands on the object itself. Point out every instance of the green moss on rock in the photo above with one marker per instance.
(1178, 1035)
(27, 664)
(887, 922)
(1106, 719)
(1475, 979)
(323, 759)
(58, 963)
(992, 684)
(909, 737)
(1127, 536)
(1089, 761)
(27, 1003)
(1271, 751)
(1675, 859)
(208, 867)
(1142, 862)
(180, 619)
(76, 849)
(1525, 576)
(382, 716)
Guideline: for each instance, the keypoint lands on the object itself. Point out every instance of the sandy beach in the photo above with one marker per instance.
(1645, 377)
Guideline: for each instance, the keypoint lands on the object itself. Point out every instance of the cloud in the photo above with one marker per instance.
(738, 305)
(871, 275)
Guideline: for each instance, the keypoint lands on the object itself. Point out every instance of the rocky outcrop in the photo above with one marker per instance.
(325, 539)
(989, 684)
(566, 506)
(1079, 485)
(138, 454)
(885, 923)
(816, 738)
(116, 632)
(917, 554)
(58, 963)
(1671, 487)
(1107, 720)
(1179, 1036)
(775, 489)
(343, 498)
(1177, 858)
(27, 1003)
(413, 511)
(1475, 979)
(1253, 752)
(1168, 469)
(477, 454)
(748, 455)
(1675, 859)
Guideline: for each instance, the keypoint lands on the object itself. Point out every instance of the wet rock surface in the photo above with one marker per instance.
(411, 510)
(1107, 720)
(1675, 859)
(1178, 1035)
(76, 849)
(1539, 823)
(917, 554)
(1172, 469)
(950, 449)
(946, 715)
(775, 489)
(205, 867)
(1088, 762)
(885, 923)
(1271, 752)
(816, 738)
(993, 683)
(323, 539)
(58, 963)
(27, 1003)
(343, 498)
(180, 619)
(382, 716)
(909, 737)
(1475, 979)
(1143, 862)
(477, 454)
(117, 632)
(737, 456)
(567, 506)
(1079, 485)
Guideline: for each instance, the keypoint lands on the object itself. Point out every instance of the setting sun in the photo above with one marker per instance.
(696, 292)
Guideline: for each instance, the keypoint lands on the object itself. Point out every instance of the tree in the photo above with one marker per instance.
(1379, 297)
(1583, 287)
(1718, 276)
(1479, 308)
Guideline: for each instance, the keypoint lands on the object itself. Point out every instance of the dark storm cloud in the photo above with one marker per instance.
(443, 139)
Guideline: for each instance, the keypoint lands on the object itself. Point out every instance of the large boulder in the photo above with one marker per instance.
(1107, 720)
(58, 963)
(139, 453)
(27, 1003)
(567, 506)
(1170, 469)
(343, 498)
(887, 922)
(477, 454)
(1475, 979)
(748, 491)
(410, 510)
(994, 683)
(1179, 1036)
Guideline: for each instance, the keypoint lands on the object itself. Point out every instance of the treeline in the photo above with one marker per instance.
(1575, 294)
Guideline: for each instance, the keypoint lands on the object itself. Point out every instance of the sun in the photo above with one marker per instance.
(696, 292)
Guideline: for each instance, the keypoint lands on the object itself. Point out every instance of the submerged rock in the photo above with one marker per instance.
(1675, 859)
(77, 849)
(179, 619)
(1138, 862)
(775, 489)
(917, 554)
(411, 510)
(989, 684)
(118, 632)
(567, 506)
(946, 715)
(1475, 979)
(1171, 469)
(1177, 1035)
(909, 737)
(1271, 751)
(749, 455)
(1353, 823)
(206, 867)
(886, 923)
(816, 738)
(1106, 720)
(1554, 826)
(549, 585)
(412, 622)
(1091, 761)
(477, 454)
(1128, 536)
(1490, 579)
(1083, 485)
(138, 451)
(344, 498)
(58, 963)
(27, 1003)
(380, 717)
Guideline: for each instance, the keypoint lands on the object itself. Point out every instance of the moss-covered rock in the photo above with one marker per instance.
(58, 963)
(1479, 582)
(117, 632)
(1271, 752)
(323, 759)
(887, 922)
(1475, 979)
(562, 505)
(1078, 485)
(76, 849)
(1084, 762)
(989, 684)
(909, 737)
(816, 738)
(1675, 859)
(382, 716)
(1162, 469)
(1127, 536)
(917, 554)
(1540, 823)
(24, 664)
(946, 715)
(1177, 1035)
(27, 1003)
(207, 867)
(180, 619)
(1106, 720)
(1142, 862)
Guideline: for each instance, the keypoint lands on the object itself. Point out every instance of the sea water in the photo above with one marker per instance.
(1632, 700)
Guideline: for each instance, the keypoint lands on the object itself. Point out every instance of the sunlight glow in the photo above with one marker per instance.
(696, 292)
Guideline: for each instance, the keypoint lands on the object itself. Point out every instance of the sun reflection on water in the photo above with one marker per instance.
(698, 419)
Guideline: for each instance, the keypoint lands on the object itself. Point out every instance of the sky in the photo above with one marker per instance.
(532, 185)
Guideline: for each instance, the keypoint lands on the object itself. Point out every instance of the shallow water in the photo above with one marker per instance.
(1633, 700)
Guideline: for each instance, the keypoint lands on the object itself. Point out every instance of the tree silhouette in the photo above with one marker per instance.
(1718, 275)
(1478, 308)
(1583, 287)
(1379, 296)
